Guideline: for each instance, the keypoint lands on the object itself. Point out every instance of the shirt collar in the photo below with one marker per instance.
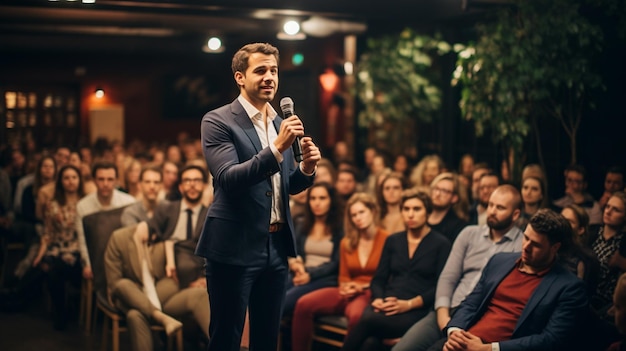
(510, 235)
(184, 207)
(252, 111)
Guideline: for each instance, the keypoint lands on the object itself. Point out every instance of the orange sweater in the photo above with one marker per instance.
(349, 266)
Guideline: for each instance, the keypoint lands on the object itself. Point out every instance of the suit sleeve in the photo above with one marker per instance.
(562, 325)
(468, 309)
(230, 172)
(113, 262)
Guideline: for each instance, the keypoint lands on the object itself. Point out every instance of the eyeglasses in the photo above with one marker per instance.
(192, 181)
(440, 190)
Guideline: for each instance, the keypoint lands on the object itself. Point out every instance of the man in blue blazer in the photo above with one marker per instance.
(248, 232)
(527, 303)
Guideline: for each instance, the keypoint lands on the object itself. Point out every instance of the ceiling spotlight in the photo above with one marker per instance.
(89, 1)
(214, 43)
(99, 92)
(291, 27)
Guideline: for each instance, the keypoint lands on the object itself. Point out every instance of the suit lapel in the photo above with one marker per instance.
(135, 265)
(242, 119)
(537, 296)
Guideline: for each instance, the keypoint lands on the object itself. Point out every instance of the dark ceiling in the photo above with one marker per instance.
(178, 26)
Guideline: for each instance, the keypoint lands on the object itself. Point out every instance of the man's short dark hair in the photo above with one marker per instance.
(240, 59)
(551, 224)
(422, 196)
(578, 169)
(103, 165)
(150, 168)
(196, 167)
(616, 170)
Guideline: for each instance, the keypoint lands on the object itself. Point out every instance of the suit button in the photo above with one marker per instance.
(268, 194)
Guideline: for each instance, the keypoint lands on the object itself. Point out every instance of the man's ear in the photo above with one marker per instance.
(239, 77)
(455, 199)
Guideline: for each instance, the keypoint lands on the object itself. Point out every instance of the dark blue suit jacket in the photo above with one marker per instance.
(551, 317)
(236, 228)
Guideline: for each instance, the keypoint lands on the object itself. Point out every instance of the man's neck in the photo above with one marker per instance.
(105, 201)
(497, 235)
(149, 205)
(534, 269)
(189, 204)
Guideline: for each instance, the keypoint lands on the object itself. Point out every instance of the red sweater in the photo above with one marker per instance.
(503, 311)
(350, 269)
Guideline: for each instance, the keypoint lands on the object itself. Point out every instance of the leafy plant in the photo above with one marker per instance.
(535, 59)
(397, 83)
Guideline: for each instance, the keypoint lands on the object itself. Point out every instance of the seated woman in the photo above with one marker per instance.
(389, 194)
(533, 198)
(403, 287)
(360, 252)
(579, 259)
(59, 252)
(317, 238)
(610, 249)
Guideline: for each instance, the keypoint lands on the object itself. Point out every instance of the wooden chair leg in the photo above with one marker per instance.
(116, 335)
(105, 333)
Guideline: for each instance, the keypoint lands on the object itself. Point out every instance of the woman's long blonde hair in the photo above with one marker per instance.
(350, 231)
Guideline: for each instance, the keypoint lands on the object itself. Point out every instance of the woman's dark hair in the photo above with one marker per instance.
(333, 219)
(59, 191)
(38, 182)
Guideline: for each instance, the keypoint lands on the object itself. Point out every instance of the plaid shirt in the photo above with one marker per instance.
(604, 250)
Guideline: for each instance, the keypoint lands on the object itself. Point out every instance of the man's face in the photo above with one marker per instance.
(574, 182)
(414, 214)
(442, 194)
(191, 186)
(260, 80)
(170, 174)
(537, 252)
(486, 186)
(500, 210)
(105, 180)
(476, 181)
(613, 182)
(346, 184)
(150, 185)
(62, 156)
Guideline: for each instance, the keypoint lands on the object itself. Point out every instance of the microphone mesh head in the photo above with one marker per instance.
(286, 104)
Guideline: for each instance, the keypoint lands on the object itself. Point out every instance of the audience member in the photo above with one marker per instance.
(534, 197)
(403, 287)
(610, 249)
(360, 252)
(523, 303)
(470, 252)
(575, 193)
(179, 224)
(136, 284)
(574, 253)
(613, 181)
(402, 165)
(389, 196)
(480, 169)
(619, 313)
(425, 171)
(346, 184)
(132, 173)
(59, 252)
(317, 241)
(378, 166)
(170, 179)
(150, 183)
(487, 183)
(106, 197)
(450, 205)
(325, 172)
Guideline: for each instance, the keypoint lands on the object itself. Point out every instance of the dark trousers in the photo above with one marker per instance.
(373, 327)
(58, 275)
(260, 288)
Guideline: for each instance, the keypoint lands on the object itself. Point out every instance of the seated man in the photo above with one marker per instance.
(150, 184)
(576, 193)
(523, 303)
(137, 285)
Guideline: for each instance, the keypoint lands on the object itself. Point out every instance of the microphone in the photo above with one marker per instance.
(286, 105)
